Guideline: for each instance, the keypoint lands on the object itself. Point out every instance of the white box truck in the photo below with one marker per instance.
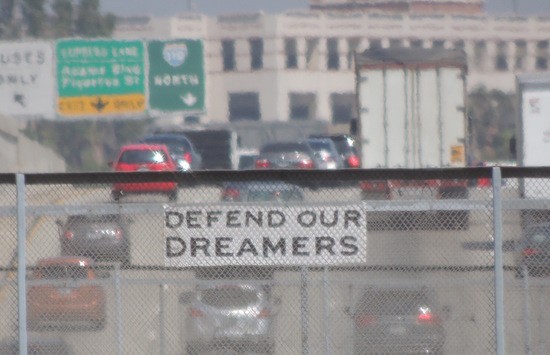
(411, 104)
(532, 141)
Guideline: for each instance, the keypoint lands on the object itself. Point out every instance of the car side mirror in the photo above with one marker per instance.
(186, 297)
(59, 222)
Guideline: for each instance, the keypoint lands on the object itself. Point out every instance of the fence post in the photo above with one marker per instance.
(326, 311)
(304, 311)
(162, 306)
(21, 262)
(499, 265)
(526, 312)
(118, 311)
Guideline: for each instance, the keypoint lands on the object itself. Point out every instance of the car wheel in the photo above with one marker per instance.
(116, 195)
(192, 349)
(98, 324)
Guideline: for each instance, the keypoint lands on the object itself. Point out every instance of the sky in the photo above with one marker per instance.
(217, 7)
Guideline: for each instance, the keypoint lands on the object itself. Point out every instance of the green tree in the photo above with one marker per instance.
(34, 15)
(492, 118)
(63, 18)
(6, 18)
(90, 22)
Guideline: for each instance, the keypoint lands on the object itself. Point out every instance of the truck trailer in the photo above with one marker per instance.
(532, 141)
(411, 104)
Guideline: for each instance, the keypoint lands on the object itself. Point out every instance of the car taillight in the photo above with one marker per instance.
(353, 161)
(425, 316)
(530, 251)
(231, 194)
(69, 234)
(374, 186)
(188, 157)
(195, 313)
(364, 320)
(119, 234)
(262, 164)
(264, 313)
(453, 183)
(305, 164)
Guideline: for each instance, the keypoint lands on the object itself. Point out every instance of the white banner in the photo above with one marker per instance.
(221, 235)
(26, 79)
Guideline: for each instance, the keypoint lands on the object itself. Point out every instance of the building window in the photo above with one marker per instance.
(302, 106)
(395, 43)
(256, 53)
(312, 53)
(480, 53)
(502, 56)
(343, 107)
(228, 54)
(291, 52)
(333, 57)
(459, 45)
(375, 44)
(521, 53)
(244, 106)
(416, 43)
(438, 43)
(542, 55)
(353, 46)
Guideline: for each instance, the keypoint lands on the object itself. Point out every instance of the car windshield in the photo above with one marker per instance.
(229, 297)
(285, 148)
(280, 195)
(143, 156)
(391, 302)
(93, 219)
(174, 145)
(56, 272)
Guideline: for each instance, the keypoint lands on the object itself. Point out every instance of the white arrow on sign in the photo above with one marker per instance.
(189, 99)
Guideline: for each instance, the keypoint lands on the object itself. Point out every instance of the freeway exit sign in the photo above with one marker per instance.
(100, 77)
(176, 75)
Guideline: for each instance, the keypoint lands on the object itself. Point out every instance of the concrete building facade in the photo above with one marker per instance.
(298, 65)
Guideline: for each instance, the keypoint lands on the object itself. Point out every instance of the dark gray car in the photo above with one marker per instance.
(181, 149)
(533, 250)
(230, 318)
(287, 155)
(398, 320)
(326, 151)
(101, 237)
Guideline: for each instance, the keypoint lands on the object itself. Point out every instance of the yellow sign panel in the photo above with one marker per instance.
(457, 154)
(101, 105)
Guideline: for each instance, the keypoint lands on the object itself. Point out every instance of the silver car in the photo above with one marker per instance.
(230, 318)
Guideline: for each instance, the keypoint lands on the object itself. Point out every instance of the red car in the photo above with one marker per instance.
(62, 294)
(144, 157)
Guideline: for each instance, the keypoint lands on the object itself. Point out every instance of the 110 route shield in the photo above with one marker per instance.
(265, 235)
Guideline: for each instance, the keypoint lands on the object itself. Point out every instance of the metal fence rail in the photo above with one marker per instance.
(281, 262)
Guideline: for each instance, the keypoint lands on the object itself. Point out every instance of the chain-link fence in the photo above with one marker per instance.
(281, 262)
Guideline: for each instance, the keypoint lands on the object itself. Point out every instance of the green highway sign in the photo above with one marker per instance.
(176, 75)
(100, 77)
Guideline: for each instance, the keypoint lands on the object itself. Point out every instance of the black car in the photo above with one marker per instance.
(398, 320)
(102, 237)
(347, 147)
(287, 155)
(533, 250)
(181, 149)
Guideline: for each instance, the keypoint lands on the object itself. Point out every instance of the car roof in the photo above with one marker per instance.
(143, 146)
(170, 136)
(64, 260)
